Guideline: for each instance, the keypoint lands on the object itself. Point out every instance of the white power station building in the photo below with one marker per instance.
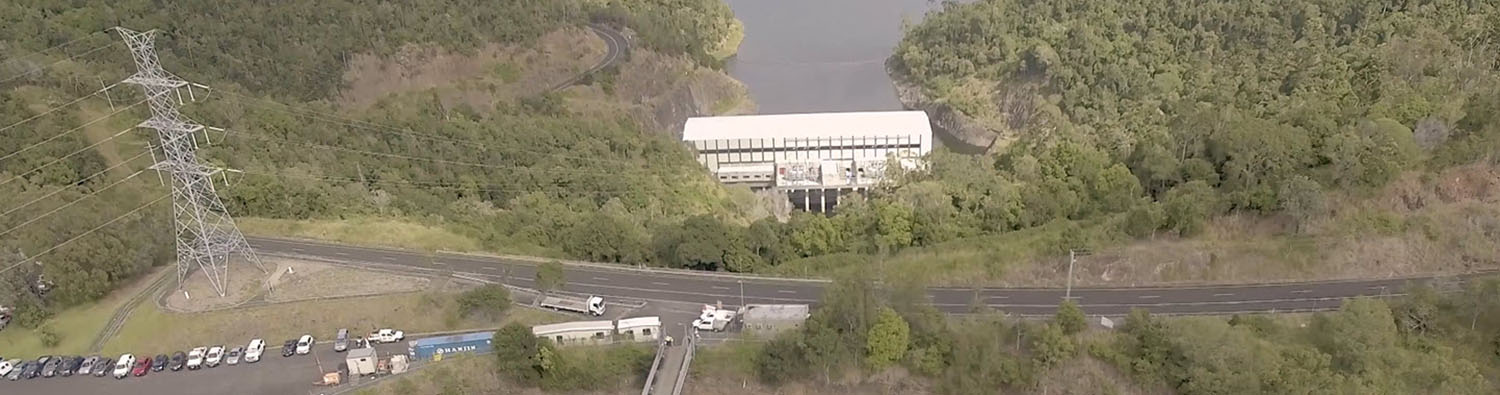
(814, 158)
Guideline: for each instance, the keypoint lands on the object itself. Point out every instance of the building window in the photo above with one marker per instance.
(598, 335)
(646, 332)
(559, 339)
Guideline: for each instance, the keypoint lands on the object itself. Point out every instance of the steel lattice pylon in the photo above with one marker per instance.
(206, 236)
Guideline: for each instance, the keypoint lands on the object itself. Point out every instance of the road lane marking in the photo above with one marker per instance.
(659, 283)
(785, 291)
(1149, 296)
(389, 258)
(1222, 295)
(439, 263)
(600, 279)
(341, 253)
(298, 249)
(491, 268)
(1301, 291)
(718, 287)
(999, 297)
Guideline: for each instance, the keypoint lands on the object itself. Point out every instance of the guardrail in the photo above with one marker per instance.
(687, 360)
(661, 353)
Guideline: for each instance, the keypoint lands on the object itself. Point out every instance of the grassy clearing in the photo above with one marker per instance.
(364, 231)
(76, 327)
(731, 360)
(151, 330)
(478, 374)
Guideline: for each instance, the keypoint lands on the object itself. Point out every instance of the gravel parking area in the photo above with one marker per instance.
(273, 375)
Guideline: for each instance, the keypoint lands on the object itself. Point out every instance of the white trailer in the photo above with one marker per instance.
(592, 305)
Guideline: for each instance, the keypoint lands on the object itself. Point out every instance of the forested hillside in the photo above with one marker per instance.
(520, 172)
(1437, 340)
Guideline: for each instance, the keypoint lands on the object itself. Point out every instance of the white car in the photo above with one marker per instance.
(252, 352)
(214, 356)
(304, 345)
(7, 366)
(123, 365)
(387, 336)
(195, 358)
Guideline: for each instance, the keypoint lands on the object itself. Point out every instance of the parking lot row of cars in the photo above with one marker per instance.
(208, 356)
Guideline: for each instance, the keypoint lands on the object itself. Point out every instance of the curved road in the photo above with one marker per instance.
(702, 287)
(616, 47)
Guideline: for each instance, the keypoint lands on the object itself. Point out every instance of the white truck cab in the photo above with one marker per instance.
(387, 336)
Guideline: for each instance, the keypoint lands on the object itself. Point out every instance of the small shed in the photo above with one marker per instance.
(361, 361)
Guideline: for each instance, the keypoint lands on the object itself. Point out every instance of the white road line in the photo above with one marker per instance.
(600, 279)
(659, 283)
(389, 258)
(341, 253)
(439, 263)
(1149, 296)
(491, 268)
(785, 291)
(1223, 295)
(999, 297)
(718, 287)
(298, 249)
(1302, 291)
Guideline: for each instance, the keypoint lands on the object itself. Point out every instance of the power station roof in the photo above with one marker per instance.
(639, 322)
(813, 125)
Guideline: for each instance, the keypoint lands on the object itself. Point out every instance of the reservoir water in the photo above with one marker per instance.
(803, 56)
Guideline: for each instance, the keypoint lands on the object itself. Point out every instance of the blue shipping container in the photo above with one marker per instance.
(435, 348)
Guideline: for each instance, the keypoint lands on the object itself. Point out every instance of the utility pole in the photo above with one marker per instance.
(742, 294)
(1073, 255)
(206, 235)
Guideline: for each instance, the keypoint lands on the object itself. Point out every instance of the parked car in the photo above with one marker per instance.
(73, 367)
(20, 368)
(30, 370)
(195, 358)
(123, 365)
(233, 357)
(289, 348)
(141, 367)
(8, 366)
(253, 351)
(341, 342)
(49, 369)
(159, 363)
(102, 366)
(179, 359)
(68, 366)
(305, 344)
(88, 365)
(214, 356)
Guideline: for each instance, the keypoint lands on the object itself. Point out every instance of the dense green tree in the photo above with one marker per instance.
(490, 301)
(1050, 346)
(1188, 206)
(888, 340)
(516, 349)
(1070, 317)
(1303, 199)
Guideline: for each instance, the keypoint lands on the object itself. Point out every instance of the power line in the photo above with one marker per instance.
(428, 185)
(59, 190)
(416, 158)
(49, 65)
(70, 204)
(54, 109)
(388, 129)
(69, 155)
(70, 42)
(69, 131)
(33, 257)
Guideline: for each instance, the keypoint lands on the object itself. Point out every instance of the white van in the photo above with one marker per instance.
(252, 353)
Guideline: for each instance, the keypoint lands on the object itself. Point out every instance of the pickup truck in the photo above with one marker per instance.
(386, 336)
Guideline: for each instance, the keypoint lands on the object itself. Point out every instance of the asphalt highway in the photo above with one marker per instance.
(703, 287)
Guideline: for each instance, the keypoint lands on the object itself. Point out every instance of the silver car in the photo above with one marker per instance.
(233, 357)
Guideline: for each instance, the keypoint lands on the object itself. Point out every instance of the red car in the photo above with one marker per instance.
(141, 367)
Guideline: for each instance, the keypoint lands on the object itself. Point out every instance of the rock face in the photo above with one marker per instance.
(960, 127)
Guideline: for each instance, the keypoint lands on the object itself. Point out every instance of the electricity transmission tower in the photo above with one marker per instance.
(206, 236)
